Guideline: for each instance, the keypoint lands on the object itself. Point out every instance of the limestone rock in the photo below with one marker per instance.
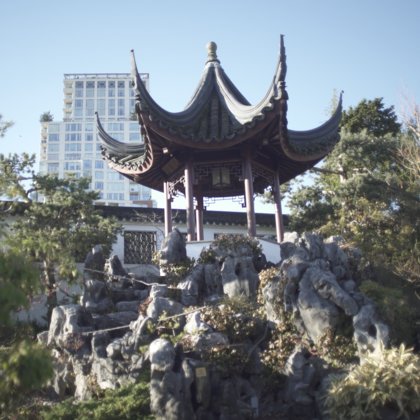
(174, 249)
(239, 276)
(68, 323)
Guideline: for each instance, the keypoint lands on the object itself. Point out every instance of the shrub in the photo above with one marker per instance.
(24, 367)
(390, 382)
(131, 402)
(396, 310)
(236, 242)
(234, 317)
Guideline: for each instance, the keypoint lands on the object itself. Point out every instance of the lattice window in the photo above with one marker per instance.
(139, 247)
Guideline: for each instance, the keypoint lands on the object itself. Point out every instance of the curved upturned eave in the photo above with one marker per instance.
(245, 112)
(213, 79)
(116, 147)
(126, 158)
(309, 145)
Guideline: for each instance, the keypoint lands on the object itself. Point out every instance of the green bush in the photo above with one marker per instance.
(24, 367)
(131, 402)
(396, 310)
(390, 382)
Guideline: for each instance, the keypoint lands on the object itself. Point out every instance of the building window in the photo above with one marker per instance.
(72, 156)
(101, 107)
(115, 126)
(52, 168)
(121, 107)
(99, 185)
(114, 176)
(111, 88)
(87, 165)
(79, 89)
(90, 89)
(72, 166)
(111, 106)
(99, 164)
(115, 186)
(55, 147)
(73, 137)
(121, 88)
(53, 137)
(101, 89)
(73, 147)
(90, 107)
(134, 136)
(52, 156)
(53, 127)
(89, 137)
(139, 247)
(74, 127)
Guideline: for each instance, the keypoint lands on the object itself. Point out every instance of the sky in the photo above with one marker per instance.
(366, 48)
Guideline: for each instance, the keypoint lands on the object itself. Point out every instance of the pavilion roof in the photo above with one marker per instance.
(218, 120)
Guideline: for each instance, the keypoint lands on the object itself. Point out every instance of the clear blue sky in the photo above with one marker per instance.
(368, 48)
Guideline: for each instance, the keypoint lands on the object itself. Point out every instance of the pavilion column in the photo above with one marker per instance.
(249, 196)
(278, 210)
(189, 196)
(167, 208)
(199, 217)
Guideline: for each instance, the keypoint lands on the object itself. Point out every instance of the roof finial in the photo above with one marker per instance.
(211, 52)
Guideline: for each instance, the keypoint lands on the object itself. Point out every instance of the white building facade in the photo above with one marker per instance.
(72, 146)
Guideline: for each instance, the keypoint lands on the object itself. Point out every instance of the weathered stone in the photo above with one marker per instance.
(370, 332)
(195, 325)
(209, 340)
(302, 378)
(115, 272)
(212, 280)
(239, 277)
(96, 298)
(313, 244)
(63, 378)
(192, 287)
(166, 391)
(273, 300)
(128, 306)
(319, 298)
(159, 306)
(174, 249)
(159, 290)
(162, 355)
(68, 323)
(94, 263)
(42, 338)
(100, 341)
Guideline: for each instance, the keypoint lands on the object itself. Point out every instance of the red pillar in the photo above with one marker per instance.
(199, 217)
(278, 210)
(189, 196)
(167, 208)
(249, 196)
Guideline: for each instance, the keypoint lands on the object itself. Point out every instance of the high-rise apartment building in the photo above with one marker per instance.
(72, 146)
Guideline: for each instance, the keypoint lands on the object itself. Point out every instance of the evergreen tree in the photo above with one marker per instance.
(367, 190)
(24, 366)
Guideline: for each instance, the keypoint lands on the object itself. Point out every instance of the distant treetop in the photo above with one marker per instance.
(46, 117)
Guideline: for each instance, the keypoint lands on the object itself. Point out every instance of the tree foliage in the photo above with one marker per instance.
(367, 190)
(59, 224)
(63, 228)
(24, 366)
(371, 116)
(46, 117)
(4, 126)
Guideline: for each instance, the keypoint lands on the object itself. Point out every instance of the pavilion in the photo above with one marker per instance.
(219, 145)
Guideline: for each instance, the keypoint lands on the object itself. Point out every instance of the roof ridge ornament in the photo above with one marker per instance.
(211, 52)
